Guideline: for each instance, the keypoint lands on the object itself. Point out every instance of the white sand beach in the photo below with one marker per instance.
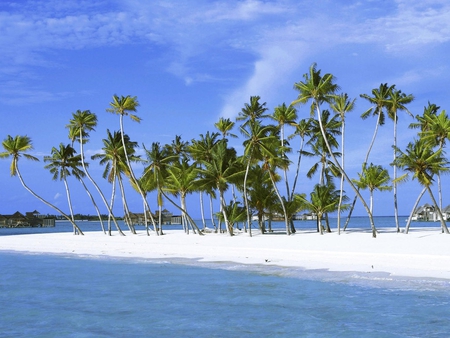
(421, 253)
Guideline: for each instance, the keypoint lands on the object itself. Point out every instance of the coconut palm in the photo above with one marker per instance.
(252, 111)
(200, 151)
(284, 115)
(81, 124)
(63, 163)
(302, 129)
(158, 160)
(373, 177)
(342, 105)
(17, 147)
(222, 169)
(436, 134)
(113, 157)
(320, 89)
(125, 106)
(181, 180)
(422, 162)
(396, 102)
(379, 101)
(257, 141)
(224, 126)
(323, 199)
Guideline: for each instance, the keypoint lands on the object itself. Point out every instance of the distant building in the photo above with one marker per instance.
(30, 219)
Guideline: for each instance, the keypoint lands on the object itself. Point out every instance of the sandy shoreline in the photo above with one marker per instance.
(421, 253)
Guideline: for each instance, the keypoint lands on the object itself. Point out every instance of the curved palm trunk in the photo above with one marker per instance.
(69, 202)
(105, 202)
(45, 202)
(374, 231)
(125, 206)
(286, 220)
(408, 223)
(364, 164)
(285, 169)
(443, 225)
(133, 177)
(397, 226)
(249, 221)
(298, 168)
(224, 213)
(202, 210)
(211, 209)
(184, 211)
(95, 205)
(341, 188)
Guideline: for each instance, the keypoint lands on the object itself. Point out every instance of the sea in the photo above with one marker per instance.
(43, 295)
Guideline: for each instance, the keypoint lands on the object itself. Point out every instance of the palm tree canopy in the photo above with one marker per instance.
(64, 162)
(16, 147)
(284, 115)
(124, 105)
(252, 111)
(224, 126)
(379, 101)
(341, 104)
(324, 199)
(81, 122)
(374, 177)
(315, 87)
(438, 129)
(397, 101)
(420, 160)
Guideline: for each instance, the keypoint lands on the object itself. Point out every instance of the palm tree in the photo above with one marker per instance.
(274, 158)
(113, 157)
(379, 101)
(158, 160)
(222, 169)
(224, 126)
(321, 89)
(257, 142)
(323, 199)
(252, 111)
(342, 105)
(422, 162)
(373, 177)
(396, 102)
(302, 129)
(123, 106)
(62, 164)
(80, 125)
(436, 134)
(284, 115)
(17, 147)
(181, 180)
(200, 151)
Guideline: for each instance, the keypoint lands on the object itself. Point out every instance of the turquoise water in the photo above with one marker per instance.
(62, 296)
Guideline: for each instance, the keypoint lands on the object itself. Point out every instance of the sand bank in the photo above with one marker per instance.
(421, 253)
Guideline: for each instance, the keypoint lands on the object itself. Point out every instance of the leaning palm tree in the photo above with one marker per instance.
(422, 162)
(64, 162)
(17, 147)
(81, 124)
(320, 89)
(396, 102)
(122, 106)
(373, 177)
(342, 105)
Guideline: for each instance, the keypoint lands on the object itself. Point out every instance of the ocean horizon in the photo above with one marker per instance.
(44, 295)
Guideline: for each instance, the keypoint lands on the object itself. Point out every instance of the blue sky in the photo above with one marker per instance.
(191, 62)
